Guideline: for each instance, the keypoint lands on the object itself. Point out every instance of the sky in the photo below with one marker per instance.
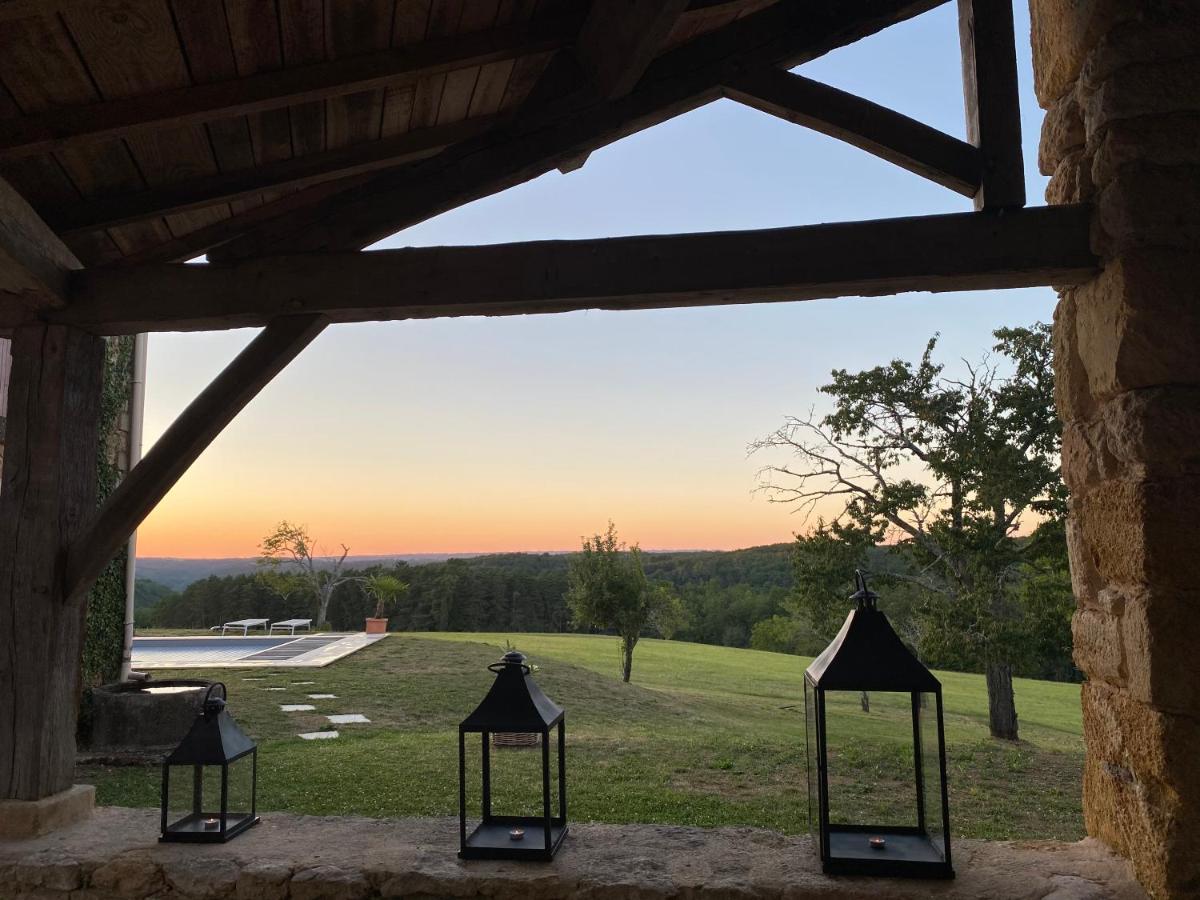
(526, 433)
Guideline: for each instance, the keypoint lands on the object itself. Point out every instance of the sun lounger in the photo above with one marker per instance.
(292, 625)
(244, 624)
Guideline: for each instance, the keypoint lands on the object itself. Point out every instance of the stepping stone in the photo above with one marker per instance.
(349, 719)
(256, 678)
(322, 696)
(318, 735)
(302, 683)
(274, 689)
(296, 707)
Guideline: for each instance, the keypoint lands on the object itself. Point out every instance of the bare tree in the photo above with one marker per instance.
(288, 562)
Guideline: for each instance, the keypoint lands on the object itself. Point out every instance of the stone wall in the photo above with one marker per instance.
(114, 857)
(1120, 82)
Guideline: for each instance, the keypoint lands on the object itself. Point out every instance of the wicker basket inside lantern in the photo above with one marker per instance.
(515, 739)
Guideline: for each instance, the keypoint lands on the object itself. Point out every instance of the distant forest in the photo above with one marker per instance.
(735, 598)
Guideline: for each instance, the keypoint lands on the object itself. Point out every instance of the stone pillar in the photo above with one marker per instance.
(1120, 81)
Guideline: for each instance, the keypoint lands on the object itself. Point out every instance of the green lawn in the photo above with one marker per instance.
(703, 736)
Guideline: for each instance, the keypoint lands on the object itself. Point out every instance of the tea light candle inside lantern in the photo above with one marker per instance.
(877, 843)
(212, 824)
(516, 834)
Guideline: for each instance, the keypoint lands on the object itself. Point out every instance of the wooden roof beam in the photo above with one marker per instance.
(963, 251)
(910, 144)
(787, 33)
(620, 38)
(35, 264)
(62, 127)
(297, 172)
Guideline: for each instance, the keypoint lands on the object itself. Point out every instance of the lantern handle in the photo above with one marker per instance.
(214, 686)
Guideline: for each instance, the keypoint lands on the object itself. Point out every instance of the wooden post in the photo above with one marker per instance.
(48, 493)
(989, 62)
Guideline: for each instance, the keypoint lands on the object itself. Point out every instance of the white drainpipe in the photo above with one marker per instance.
(137, 404)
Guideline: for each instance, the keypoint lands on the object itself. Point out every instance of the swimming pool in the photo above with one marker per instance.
(202, 652)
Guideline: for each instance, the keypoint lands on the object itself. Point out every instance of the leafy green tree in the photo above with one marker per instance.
(947, 468)
(288, 564)
(607, 588)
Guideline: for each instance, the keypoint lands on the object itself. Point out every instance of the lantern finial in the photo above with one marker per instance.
(863, 595)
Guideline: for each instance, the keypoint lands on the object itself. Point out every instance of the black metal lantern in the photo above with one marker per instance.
(910, 831)
(210, 779)
(514, 704)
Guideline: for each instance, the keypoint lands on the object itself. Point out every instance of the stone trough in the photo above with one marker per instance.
(133, 721)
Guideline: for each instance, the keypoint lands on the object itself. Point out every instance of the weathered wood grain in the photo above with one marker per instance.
(880, 131)
(964, 251)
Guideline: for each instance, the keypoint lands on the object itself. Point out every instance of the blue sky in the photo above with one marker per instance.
(524, 433)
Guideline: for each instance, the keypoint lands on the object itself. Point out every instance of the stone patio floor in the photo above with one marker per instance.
(116, 855)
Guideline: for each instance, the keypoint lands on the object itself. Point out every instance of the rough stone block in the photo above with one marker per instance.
(1150, 207)
(1072, 180)
(1158, 632)
(1164, 30)
(1155, 431)
(329, 883)
(132, 875)
(1136, 325)
(51, 869)
(1142, 533)
(263, 881)
(202, 877)
(30, 818)
(1159, 141)
(1148, 89)
(1072, 391)
(1063, 32)
(1085, 576)
(1141, 787)
(1062, 132)
(1098, 646)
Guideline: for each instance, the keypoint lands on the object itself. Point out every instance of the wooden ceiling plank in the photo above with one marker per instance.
(620, 38)
(785, 34)
(132, 50)
(254, 33)
(58, 127)
(34, 263)
(182, 443)
(302, 29)
(960, 251)
(103, 212)
(910, 144)
(353, 27)
(993, 106)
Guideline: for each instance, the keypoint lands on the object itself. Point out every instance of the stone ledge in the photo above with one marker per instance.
(115, 856)
(30, 818)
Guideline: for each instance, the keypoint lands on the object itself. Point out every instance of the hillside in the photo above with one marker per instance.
(703, 736)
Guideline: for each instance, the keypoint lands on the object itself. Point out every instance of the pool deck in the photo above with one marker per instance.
(222, 655)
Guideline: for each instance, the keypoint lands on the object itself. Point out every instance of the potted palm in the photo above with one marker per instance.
(384, 590)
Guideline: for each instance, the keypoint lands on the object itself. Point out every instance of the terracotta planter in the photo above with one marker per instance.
(377, 626)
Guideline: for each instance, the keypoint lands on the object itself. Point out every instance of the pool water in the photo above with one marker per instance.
(203, 651)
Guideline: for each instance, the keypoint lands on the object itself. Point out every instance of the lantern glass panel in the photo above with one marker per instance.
(515, 774)
(872, 774)
(193, 796)
(810, 747)
(931, 769)
(240, 804)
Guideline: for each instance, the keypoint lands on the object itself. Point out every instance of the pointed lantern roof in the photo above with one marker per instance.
(868, 655)
(214, 738)
(515, 702)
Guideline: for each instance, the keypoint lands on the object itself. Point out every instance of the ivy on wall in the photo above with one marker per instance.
(104, 635)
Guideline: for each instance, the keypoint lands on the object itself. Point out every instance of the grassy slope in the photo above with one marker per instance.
(705, 735)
